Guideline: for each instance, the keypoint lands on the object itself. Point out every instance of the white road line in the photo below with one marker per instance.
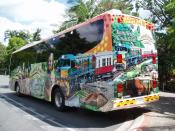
(38, 114)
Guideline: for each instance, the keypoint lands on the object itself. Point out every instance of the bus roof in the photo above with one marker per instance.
(111, 12)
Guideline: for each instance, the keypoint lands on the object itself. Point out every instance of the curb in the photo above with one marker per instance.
(137, 123)
(4, 86)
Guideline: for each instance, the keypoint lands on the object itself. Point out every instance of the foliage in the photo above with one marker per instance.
(157, 8)
(16, 39)
(23, 34)
(3, 55)
(36, 35)
(164, 18)
(83, 10)
(15, 43)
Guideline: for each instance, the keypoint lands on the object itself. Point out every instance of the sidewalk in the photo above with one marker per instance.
(4, 81)
(161, 116)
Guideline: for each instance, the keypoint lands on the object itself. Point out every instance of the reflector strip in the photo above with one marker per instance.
(139, 100)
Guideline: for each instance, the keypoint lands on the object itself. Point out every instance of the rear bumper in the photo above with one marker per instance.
(118, 104)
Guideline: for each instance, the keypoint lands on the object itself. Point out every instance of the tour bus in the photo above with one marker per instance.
(107, 63)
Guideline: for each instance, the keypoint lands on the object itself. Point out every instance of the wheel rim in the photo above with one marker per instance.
(58, 99)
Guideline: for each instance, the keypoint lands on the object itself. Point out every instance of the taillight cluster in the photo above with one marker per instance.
(154, 59)
(119, 88)
(119, 58)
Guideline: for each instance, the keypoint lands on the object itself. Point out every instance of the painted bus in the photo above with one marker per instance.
(107, 63)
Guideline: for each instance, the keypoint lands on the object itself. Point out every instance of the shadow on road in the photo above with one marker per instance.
(166, 105)
(73, 117)
(157, 128)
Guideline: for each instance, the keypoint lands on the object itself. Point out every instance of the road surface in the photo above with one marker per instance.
(29, 114)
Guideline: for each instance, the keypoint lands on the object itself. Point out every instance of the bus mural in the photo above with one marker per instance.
(104, 64)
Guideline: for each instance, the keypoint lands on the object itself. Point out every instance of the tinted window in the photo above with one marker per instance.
(79, 40)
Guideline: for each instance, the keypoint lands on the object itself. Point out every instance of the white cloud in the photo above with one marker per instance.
(144, 13)
(30, 14)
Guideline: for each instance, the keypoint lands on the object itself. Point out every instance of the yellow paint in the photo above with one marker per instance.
(133, 20)
(98, 48)
(105, 45)
(106, 39)
(64, 73)
(102, 48)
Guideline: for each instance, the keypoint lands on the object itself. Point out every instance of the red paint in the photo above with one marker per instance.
(149, 26)
(148, 55)
(154, 60)
(154, 84)
(120, 19)
(103, 70)
(119, 88)
(119, 58)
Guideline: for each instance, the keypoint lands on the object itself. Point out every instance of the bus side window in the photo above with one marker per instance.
(109, 61)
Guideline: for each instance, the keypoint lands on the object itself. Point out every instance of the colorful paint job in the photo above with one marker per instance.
(104, 64)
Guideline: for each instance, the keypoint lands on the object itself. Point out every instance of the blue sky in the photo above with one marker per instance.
(32, 14)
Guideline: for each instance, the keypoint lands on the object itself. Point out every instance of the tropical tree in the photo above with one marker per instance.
(164, 18)
(36, 36)
(15, 43)
(83, 10)
(3, 55)
(23, 34)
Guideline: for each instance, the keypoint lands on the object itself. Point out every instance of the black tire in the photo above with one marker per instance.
(17, 89)
(59, 100)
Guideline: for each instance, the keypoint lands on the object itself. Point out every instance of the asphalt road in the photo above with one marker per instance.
(29, 114)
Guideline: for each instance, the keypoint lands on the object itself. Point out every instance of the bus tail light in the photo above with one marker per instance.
(154, 83)
(119, 58)
(119, 88)
(154, 60)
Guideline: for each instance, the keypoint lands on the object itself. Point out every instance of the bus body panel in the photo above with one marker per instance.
(104, 64)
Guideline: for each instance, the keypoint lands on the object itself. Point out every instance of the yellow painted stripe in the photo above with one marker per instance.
(128, 102)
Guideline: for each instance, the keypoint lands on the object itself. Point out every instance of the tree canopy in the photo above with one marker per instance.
(16, 39)
(164, 18)
(82, 10)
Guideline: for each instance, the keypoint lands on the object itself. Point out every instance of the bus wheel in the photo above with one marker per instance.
(18, 90)
(59, 100)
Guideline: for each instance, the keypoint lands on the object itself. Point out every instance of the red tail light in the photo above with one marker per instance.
(154, 60)
(119, 58)
(154, 84)
(119, 88)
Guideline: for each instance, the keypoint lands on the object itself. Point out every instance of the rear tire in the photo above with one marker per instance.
(59, 100)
